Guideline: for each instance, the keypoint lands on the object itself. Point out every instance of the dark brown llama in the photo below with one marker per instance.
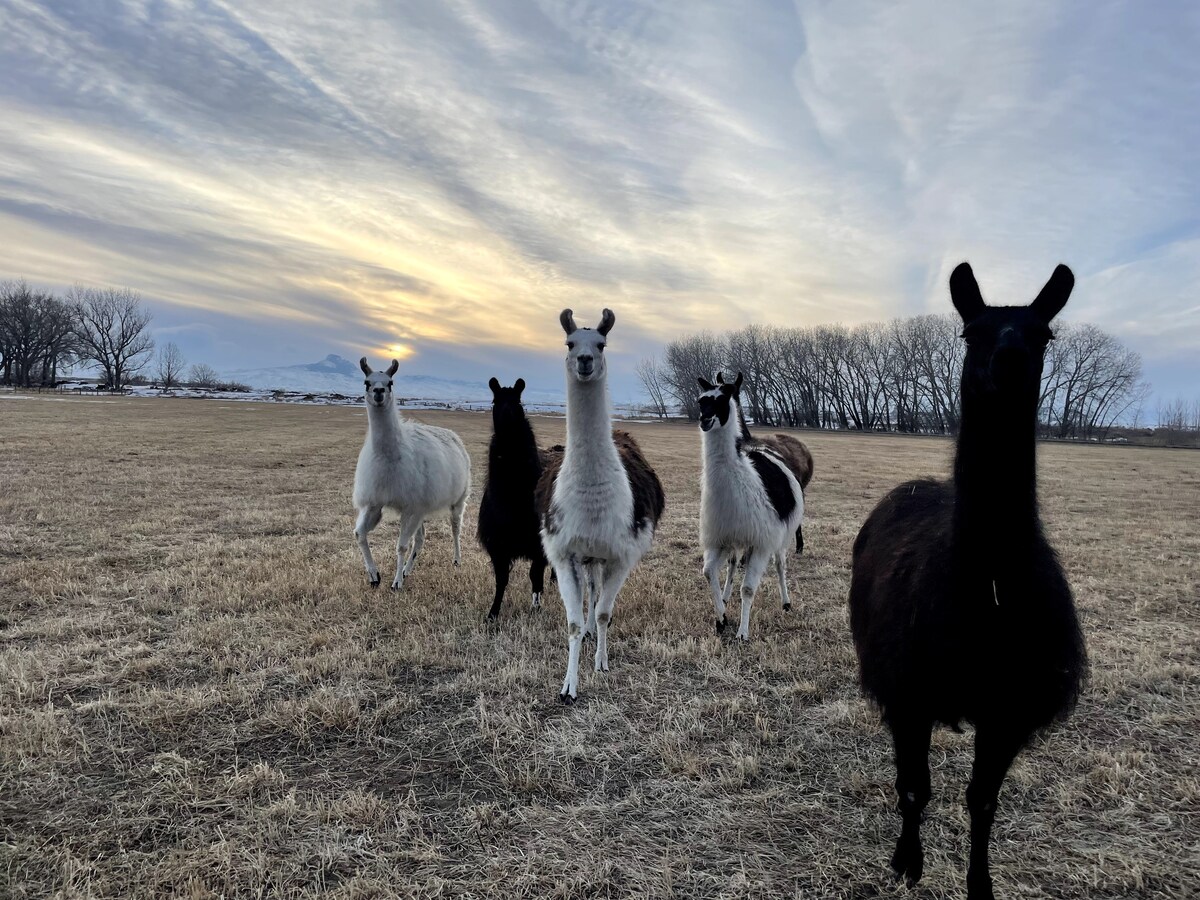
(508, 523)
(959, 608)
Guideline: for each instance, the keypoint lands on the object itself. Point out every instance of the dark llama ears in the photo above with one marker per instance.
(737, 384)
(391, 370)
(567, 319)
(494, 385)
(362, 364)
(519, 385)
(1053, 296)
(964, 292)
(705, 384)
(607, 320)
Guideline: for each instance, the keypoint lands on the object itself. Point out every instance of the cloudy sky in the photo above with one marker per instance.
(436, 180)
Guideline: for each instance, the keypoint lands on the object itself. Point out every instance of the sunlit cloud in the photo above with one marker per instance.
(436, 181)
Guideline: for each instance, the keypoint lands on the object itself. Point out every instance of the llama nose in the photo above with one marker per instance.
(585, 361)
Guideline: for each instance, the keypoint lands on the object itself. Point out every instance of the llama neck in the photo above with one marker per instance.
(589, 423)
(720, 445)
(995, 474)
(384, 427)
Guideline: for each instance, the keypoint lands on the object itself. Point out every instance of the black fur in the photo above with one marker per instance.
(508, 523)
(774, 480)
(959, 608)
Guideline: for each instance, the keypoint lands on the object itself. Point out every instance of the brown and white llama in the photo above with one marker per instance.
(599, 504)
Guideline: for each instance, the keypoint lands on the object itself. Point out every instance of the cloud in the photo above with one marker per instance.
(451, 175)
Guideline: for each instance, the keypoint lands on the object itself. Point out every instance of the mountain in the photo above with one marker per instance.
(337, 375)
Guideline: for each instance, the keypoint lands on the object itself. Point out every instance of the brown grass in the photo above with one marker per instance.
(201, 697)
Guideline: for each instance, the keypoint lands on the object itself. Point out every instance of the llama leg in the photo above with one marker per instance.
(368, 518)
(418, 543)
(781, 571)
(595, 584)
(501, 567)
(456, 517)
(995, 749)
(610, 585)
(799, 539)
(727, 591)
(911, 740)
(714, 561)
(570, 587)
(409, 528)
(756, 565)
(537, 580)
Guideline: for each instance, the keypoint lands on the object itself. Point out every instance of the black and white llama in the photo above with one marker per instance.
(414, 469)
(959, 608)
(599, 504)
(508, 522)
(751, 503)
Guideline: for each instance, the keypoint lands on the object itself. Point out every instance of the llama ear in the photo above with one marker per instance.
(391, 370)
(494, 385)
(607, 320)
(720, 378)
(567, 319)
(362, 364)
(519, 386)
(964, 291)
(705, 384)
(1053, 298)
(737, 384)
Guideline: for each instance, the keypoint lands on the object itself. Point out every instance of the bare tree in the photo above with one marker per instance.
(36, 334)
(169, 365)
(112, 330)
(203, 375)
(650, 374)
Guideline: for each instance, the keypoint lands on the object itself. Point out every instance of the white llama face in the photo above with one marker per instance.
(715, 404)
(585, 347)
(378, 385)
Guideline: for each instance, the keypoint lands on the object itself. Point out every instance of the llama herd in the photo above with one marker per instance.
(959, 608)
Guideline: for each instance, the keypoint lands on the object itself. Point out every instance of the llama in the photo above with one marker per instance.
(412, 468)
(959, 607)
(508, 521)
(751, 503)
(792, 451)
(599, 504)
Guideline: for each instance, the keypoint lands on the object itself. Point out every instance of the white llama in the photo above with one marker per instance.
(751, 503)
(414, 469)
(599, 505)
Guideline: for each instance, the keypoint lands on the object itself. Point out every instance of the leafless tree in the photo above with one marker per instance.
(112, 330)
(650, 374)
(203, 375)
(36, 334)
(169, 365)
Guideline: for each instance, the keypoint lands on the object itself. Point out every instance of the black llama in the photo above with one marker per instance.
(959, 608)
(508, 524)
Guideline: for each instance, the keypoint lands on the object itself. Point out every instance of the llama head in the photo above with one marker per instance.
(585, 346)
(1006, 345)
(506, 404)
(736, 384)
(716, 403)
(378, 384)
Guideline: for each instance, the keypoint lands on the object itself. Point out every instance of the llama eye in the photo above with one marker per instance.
(367, 383)
(601, 347)
(389, 385)
(570, 345)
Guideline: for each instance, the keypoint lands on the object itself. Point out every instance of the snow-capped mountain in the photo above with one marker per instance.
(338, 375)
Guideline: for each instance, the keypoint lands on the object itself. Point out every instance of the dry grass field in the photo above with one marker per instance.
(200, 696)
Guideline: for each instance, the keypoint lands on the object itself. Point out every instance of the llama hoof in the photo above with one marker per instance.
(457, 563)
(373, 580)
(980, 888)
(567, 698)
(909, 863)
(744, 638)
(721, 623)
(537, 602)
(787, 607)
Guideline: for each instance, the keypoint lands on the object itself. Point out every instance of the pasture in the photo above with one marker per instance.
(200, 696)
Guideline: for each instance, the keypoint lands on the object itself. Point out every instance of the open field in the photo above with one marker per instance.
(200, 695)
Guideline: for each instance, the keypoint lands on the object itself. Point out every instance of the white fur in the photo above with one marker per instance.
(737, 518)
(414, 469)
(593, 546)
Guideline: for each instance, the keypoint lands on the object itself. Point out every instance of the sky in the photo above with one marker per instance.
(436, 181)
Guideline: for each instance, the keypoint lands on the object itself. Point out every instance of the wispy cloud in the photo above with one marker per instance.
(446, 177)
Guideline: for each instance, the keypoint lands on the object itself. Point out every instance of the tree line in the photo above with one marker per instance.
(901, 375)
(105, 329)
